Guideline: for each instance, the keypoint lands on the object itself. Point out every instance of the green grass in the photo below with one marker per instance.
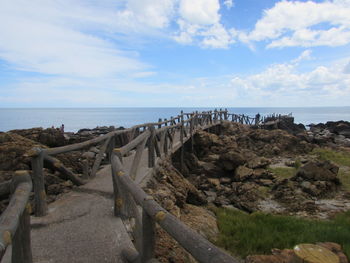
(338, 157)
(344, 177)
(283, 172)
(246, 234)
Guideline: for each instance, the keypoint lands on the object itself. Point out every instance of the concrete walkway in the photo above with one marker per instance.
(80, 226)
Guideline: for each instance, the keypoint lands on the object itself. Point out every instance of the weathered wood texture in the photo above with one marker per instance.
(15, 220)
(200, 248)
(99, 157)
(64, 171)
(127, 194)
(38, 183)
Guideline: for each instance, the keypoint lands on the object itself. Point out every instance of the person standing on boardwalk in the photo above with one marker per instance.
(257, 119)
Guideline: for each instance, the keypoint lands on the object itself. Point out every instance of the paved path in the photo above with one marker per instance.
(80, 226)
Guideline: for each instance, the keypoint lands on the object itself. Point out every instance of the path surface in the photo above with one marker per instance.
(80, 226)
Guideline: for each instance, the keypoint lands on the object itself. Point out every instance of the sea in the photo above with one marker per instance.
(79, 118)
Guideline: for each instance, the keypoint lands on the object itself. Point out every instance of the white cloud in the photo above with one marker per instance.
(216, 37)
(228, 3)
(292, 23)
(305, 55)
(147, 13)
(283, 82)
(347, 69)
(40, 36)
(200, 24)
(200, 12)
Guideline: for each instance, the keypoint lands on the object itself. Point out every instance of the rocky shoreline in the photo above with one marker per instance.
(233, 165)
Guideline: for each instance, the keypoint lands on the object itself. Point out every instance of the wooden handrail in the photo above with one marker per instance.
(159, 140)
(131, 145)
(15, 220)
(199, 247)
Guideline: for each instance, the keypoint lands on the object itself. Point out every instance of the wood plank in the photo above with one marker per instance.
(99, 157)
(38, 183)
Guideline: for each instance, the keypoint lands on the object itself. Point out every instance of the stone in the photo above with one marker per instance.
(266, 182)
(229, 161)
(88, 155)
(225, 180)
(211, 196)
(243, 173)
(214, 182)
(319, 171)
(258, 162)
(206, 168)
(94, 150)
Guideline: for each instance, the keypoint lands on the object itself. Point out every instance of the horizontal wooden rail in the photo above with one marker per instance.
(15, 220)
(131, 145)
(200, 248)
(58, 166)
(82, 145)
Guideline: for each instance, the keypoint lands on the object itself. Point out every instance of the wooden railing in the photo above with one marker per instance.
(131, 202)
(15, 220)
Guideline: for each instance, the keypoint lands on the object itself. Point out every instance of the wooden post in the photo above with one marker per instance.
(166, 145)
(38, 183)
(148, 237)
(151, 147)
(166, 124)
(99, 158)
(182, 146)
(85, 167)
(21, 243)
(137, 159)
(191, 134)
(110, 148)
(159, 125)
(124, 204)
(21, 246)
(226, 115)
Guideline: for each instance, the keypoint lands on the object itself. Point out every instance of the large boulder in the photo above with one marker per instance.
(243, 173)
(229, 161)
(50, 137)
(288, 255)
(12, 151)
(319, 171)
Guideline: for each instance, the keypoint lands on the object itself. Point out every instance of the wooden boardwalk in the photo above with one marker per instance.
(74, 232)
(92, 223)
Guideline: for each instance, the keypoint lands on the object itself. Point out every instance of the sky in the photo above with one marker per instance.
(174, 53)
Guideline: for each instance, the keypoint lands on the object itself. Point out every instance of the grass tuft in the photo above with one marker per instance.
(283, 172)
(338, 157)
(247, 234)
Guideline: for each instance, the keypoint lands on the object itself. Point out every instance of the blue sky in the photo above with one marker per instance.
(176, 53)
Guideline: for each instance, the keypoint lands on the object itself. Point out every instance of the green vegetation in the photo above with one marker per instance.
(344, 177)
(283, 172)
(341, 158)
(246, 234)
(338, 157)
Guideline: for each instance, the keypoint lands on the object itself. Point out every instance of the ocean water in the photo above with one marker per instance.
(78, 118)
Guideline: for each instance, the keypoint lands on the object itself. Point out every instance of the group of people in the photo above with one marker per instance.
(60, 128)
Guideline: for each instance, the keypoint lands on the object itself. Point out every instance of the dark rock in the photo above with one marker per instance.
(243, 173)
(319, 171)
(229, 161)
(258, 162)
(50, 137)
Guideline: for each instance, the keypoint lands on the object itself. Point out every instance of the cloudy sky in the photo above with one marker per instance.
(127, 53)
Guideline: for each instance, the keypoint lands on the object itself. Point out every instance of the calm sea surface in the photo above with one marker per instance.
(78, 118)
